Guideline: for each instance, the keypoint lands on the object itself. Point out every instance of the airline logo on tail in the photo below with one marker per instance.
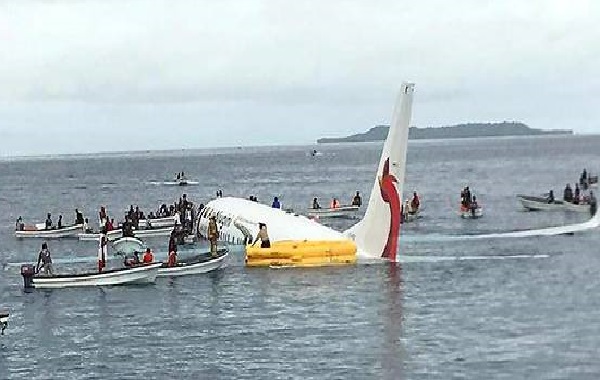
(389, 194)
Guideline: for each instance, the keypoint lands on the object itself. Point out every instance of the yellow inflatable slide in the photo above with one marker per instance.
(302, 253)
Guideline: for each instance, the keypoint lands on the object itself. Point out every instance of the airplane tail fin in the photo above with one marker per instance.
(376, 235)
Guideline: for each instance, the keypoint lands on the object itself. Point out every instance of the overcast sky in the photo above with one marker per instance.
(103, 75)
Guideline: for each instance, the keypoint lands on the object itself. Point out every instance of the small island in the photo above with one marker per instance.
(506, 128)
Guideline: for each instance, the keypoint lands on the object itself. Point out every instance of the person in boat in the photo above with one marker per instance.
(102, 249)
(59, 224)
(415, 202)
(568, 193)
(593, 204)
(474, 205)
(334, 203)
(468, 197)
(19, 225)
(131, 261)
(78, 217)
(407, 208)
(86, 226)
(315, 204)
(263, 235)
(213, 235)
(110, 225)
(148, 257)
(45, 260)
(172, 261)
(127, 228)
(49, 222)
(102, 215)
(550, 198)
(357, 201)
(577, 195)
(276, 203)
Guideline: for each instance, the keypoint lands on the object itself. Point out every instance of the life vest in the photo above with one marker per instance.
(148, 258)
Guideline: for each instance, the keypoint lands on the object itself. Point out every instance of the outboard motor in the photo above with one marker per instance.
(27, 271)
(3, 320)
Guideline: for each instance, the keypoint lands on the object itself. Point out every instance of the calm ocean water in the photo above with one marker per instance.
(451, 310)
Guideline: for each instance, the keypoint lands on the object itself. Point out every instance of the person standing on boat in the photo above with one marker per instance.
(78, 217)
(102, 215)
(263, 235)
(468, 197)
(49, 222)
(172, 251)
(86, 226)
(213, 235)
(276, 203)
(19, 226)
(45, 260)
(60, 222)
(474, 206)
(415, 203)
(551, 196)
(102, 249)
(357, 201)
(568, 194)
(577, 196)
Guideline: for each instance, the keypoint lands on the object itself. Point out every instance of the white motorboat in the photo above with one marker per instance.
(337, 212)
(470, 213)
(56, 233)
(128, 245)
(157, 222)
(116, 234)
(3, 320)
(143, 274)
(534, 203)
(195, 265)
(181, 182)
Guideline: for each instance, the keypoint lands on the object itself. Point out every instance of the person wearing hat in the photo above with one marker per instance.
(213, 235)
(263, 236)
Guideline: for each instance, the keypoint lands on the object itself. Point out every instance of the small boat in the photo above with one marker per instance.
(157, 222)
(195, 265)
(3, 320)
(535, 203)
(143, 274)
(55, 233)
(128, 245)
(466, 213)
(411, 216)
(181, 182)
(337, 212)
(116, 234)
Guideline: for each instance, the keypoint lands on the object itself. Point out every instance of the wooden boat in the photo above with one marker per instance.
(338, 212)
(41, 233)
(116, 234)
(535, 203)
(143, 274)
(203, 263)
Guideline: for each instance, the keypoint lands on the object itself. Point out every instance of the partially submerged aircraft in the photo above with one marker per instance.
(376, 235)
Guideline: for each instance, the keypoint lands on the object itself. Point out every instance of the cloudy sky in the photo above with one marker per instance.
(104, 75)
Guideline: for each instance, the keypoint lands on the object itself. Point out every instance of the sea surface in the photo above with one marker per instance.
(451, 309)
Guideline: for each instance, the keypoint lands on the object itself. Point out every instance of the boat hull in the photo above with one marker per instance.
(191, 268)
(532, 203)
(116, 234)
(158, 222)
(469, 214)
(71, 231)
(136, 275)
(338, 212)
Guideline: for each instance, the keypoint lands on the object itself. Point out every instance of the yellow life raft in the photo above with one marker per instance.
(302, 253)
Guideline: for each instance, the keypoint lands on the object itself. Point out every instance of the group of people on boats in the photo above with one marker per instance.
(410, 207)
(335, 203)
(180, 176)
